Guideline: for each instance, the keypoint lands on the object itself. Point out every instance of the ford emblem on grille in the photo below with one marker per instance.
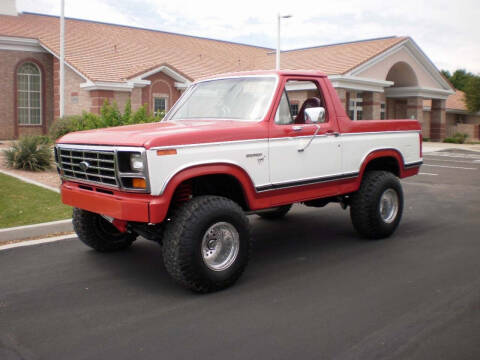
(84, 165)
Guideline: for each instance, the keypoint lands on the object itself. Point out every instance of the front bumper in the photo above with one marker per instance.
(116, 204)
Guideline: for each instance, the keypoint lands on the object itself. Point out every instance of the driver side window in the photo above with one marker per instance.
(298, 96)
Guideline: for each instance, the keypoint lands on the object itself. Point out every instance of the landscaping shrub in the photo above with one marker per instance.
(29, 153)
(64, 125)
(457, 138)
(109, 116)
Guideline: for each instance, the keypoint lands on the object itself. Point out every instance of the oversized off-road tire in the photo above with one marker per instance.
(206, 243)
(376, 208)
(95, 231)
(278, 213)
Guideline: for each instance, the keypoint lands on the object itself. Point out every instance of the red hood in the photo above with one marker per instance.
(169, 133)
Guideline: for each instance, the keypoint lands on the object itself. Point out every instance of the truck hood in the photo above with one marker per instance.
(168, 133)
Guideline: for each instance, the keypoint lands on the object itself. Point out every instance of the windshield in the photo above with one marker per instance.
(244, 98)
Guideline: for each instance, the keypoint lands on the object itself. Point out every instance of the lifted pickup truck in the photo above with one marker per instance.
(231, 146)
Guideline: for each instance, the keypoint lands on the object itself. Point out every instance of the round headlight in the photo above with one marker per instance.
(136, 162)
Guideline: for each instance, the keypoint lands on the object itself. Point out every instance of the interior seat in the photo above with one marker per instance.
(309, 103)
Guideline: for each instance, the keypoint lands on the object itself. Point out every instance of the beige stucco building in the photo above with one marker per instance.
(376, 79)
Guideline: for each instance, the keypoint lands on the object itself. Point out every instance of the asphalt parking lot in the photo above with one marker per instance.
(313, 289)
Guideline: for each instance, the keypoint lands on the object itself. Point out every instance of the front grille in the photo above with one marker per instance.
(89, 165)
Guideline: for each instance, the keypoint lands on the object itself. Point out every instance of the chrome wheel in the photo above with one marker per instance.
(389, 205)
(220, 246)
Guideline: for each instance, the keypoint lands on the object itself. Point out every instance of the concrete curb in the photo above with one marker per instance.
(30, 181)
(36, 230)
(37, 242)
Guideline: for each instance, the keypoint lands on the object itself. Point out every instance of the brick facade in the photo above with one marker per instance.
(76, 99)
(372, 105)
(438, 125)
(10, 61)
(98, 97)
(161, 85)
(415, 111)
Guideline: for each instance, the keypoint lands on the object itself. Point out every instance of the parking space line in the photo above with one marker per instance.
(451, 167)
(430, 174)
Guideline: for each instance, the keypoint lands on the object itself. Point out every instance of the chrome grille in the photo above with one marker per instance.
(89, 165)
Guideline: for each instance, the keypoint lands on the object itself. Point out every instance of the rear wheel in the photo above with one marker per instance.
(206, 244)
(278, 213)
(376, 208)
(99, 234)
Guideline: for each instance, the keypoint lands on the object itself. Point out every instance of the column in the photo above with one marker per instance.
(371, 105)
(438, 125)
(415, 108)
(390, 108)
(342, 94)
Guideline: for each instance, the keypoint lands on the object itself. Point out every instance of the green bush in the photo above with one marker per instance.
(109, 116)
(457, 138)
(63, 126)
(29, 153)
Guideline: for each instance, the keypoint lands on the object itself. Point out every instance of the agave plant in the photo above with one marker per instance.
(29, 153)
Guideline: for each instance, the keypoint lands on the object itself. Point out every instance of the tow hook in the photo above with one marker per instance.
(121, 225)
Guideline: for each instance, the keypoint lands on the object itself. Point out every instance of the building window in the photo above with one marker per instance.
(460, 119)
(355, 105)
(160, 104)
(29, 95)
(294, 109)
(382, 111)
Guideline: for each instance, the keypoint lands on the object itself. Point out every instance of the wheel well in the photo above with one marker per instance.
(386, 163)
(217, 184)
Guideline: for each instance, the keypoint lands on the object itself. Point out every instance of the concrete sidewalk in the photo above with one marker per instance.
(36, 230)
(438, 146)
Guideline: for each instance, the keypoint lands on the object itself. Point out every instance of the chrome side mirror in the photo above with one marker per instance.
(315, 115)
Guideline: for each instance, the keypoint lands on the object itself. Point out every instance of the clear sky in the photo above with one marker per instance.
(447, 31)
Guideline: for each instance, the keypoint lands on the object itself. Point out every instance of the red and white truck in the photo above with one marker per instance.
(234, 145)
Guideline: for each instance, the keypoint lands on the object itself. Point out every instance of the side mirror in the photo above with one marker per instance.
(315, 115)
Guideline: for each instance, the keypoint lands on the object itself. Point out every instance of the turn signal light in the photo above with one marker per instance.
(139, 183)
(167, 152)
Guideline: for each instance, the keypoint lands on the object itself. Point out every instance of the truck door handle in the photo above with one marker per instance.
(297, 128)
(302, 149)
(333, 133)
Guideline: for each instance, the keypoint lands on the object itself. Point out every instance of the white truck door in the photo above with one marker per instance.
(302, 152)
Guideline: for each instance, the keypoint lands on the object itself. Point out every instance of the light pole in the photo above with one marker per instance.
(277, 66)
(62, 58)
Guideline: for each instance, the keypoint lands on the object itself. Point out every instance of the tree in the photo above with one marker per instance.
(472, 94)
(459, 78)
(446, 73)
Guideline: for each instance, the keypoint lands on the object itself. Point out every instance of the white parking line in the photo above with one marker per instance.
(423, 173)
(451, 167)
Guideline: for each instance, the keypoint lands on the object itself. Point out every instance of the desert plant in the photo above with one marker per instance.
(29, 153)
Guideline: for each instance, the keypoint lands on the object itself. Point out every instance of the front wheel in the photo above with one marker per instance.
(376, 208)
(96, 232)
(206, 244)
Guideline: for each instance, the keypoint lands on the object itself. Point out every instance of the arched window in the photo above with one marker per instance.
(29, 95)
